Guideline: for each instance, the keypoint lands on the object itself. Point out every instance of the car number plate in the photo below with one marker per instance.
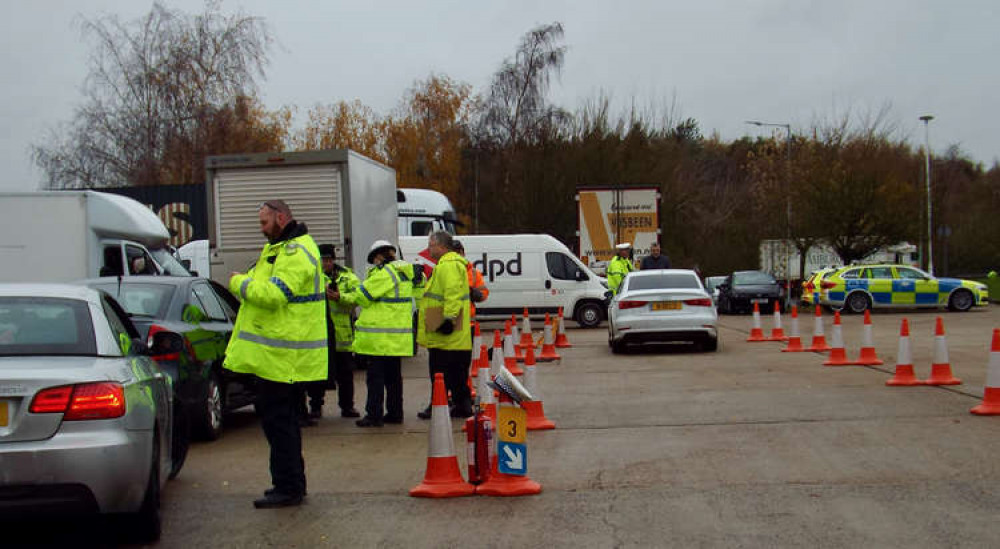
(666, 305)
(3, 413)
(759, 300)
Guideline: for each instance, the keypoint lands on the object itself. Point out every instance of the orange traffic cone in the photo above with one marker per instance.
(904, 376)
(515, 337)
(549, 345)
(756, 334)
(819, 340)
(502, 484)
(480, 361)
(561, 341)
(509, 357)
(838, 355)
(443, 478)
(526, 339)
(534, 408)
(941, 368)
(868, 356)
(794, 341)
(777, 333)
(991, 393)
(486, 400)
(497, 359)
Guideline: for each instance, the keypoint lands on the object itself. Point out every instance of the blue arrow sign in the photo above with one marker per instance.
(512, 458)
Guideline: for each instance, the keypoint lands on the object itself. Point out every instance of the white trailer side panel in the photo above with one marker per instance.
(373, 212)
(43, 237)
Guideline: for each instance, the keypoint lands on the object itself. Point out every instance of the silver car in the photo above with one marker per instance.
(86, 420)
(664, 305)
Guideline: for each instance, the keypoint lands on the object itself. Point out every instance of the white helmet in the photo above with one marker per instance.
(377, 246)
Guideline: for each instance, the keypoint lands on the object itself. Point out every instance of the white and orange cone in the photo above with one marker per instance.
(991, 392)
(941, 367)
(794, 341)
(502, 484)
(509, 354)
(443, 478)
(756, 333)
(549, 345)
(838, 354)
(777, 333)
(904, 376)
(561, 341)
(515, 336)
(534, 407)
(867, 356)
(819, 340)
(526, 337)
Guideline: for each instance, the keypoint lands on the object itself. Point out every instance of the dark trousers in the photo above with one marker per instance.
(340, 374)
(455, 367)
(385, 386)
(276, 405)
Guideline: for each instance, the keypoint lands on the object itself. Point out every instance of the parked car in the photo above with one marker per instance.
(712, 286)
(811, 287)
(87, 420)
(187, 323)
(859, 287)
(662, 305)
(742, 289)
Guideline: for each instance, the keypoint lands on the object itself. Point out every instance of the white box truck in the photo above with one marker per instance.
(344, 198)
(610, 215)
(62, 236)
(533, 271)
(423, 211)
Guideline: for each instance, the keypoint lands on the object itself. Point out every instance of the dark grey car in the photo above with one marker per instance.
(742, 289)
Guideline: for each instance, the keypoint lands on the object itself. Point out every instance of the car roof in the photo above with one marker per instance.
(31, 289)
(649, 272)
(143, 279)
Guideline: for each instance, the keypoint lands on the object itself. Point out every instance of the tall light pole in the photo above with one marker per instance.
(788, 205)
(927, 168)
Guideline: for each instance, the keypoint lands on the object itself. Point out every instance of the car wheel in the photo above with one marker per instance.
(210, 414)
(961, 300)
(857, 303)
(181, 432)
(618, 347)
(147, 522)
(588, 315)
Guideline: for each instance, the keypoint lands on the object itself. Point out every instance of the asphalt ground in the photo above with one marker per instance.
(661, 447)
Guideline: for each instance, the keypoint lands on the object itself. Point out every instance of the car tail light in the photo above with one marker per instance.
(164, 344)
(700, 302)
(103, 400)
(827, 285)
(629, 304)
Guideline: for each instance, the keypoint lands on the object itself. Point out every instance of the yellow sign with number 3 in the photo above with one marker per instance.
(511, 422)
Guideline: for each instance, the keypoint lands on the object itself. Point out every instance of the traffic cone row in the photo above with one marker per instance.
(549, 345)
(561, 341)
(526, 337)
(838, 355)
(509, 353)
(534, 408)
(941, 367)
(904, 375)
(777, 333)
(819, 339)
(794, 341)
(868, 356)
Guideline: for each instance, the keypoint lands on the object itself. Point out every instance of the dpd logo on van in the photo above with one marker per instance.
(493, 268)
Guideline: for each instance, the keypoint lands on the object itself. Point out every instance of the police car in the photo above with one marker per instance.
(811, 287)
(859, 287)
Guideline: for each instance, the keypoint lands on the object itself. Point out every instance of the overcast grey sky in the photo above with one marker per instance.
(719, 62)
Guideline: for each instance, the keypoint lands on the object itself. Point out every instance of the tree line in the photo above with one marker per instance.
(168, 89)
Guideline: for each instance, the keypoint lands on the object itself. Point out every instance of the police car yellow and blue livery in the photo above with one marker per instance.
(859, 287)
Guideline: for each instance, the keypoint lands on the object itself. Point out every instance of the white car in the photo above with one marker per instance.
(664, 305)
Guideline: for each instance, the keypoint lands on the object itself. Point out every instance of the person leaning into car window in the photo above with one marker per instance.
(443, 325)
(280, 337)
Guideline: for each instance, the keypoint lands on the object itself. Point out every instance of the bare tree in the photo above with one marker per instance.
(153, 82)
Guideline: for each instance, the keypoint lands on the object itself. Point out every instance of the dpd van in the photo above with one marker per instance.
(533, 271)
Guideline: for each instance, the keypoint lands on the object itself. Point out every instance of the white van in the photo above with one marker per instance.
(423, 211)
(526, 270)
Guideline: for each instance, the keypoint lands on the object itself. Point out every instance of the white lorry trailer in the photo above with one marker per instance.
(344, 198)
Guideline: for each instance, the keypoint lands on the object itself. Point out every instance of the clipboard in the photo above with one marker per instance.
(434, 317)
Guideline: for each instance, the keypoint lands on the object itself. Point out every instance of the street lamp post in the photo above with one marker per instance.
(927, 167)
(788, 205)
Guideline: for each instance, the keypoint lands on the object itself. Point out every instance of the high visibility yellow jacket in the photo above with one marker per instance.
(617, 269)
(341, 311)
(385, 327)
(447, 289)
(280, 331)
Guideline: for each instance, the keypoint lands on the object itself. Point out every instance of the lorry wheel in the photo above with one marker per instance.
(588, 315)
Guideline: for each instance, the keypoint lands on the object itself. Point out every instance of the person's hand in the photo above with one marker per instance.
(476, 294)
(333, 293)
(446, 327)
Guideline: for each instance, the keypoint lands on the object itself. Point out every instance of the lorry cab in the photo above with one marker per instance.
(423, 211)
(533, 271)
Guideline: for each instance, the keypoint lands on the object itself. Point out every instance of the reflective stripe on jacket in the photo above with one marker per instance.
(280, 331)
(448, 289)
(341, 311)
(617, 269)
(385, 327)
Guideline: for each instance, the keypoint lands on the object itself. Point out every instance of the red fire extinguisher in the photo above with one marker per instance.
(479, 439)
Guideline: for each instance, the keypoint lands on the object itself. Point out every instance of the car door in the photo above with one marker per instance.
(564, 279)
(915, 287)
(880, 285)
(211, 334)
